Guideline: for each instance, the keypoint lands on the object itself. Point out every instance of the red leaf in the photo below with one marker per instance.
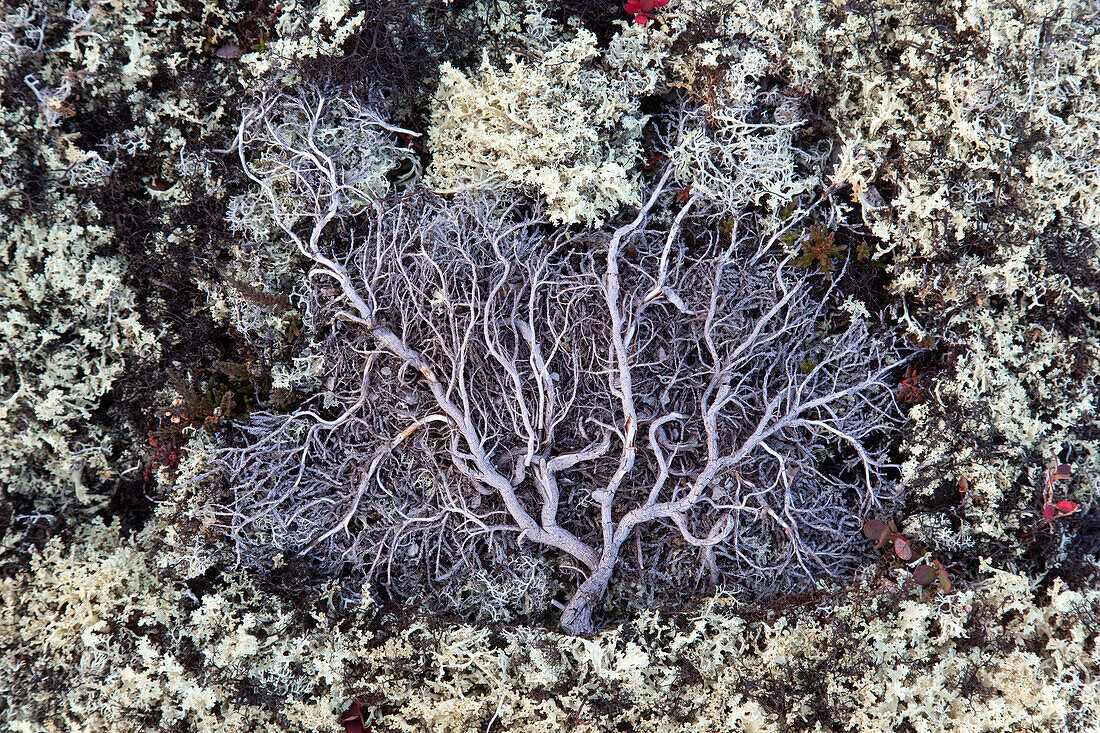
(1066, 507)
(902, 548)
(873, 529)
(924, 574)
(1049, 512)
(353, 718)
(640, 9)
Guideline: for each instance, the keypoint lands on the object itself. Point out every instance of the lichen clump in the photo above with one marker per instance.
(100, 638)
(70, 325)
(564, 121)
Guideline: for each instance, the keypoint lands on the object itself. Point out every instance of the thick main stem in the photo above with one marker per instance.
(576, 618)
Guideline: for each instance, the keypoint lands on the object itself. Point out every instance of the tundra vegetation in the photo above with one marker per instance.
(356, 349)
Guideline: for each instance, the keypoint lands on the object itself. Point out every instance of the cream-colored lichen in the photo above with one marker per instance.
(70, 326)
(132, 643)
(562, 120)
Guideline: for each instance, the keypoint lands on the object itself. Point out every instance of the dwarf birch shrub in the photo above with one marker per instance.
(497, 387)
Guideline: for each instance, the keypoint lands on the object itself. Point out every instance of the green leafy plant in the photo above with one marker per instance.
(925, 575)
(820, 249)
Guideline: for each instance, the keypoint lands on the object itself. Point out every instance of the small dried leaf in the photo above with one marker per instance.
(229, 51)
(924, 574)
(964, 485)
(1064, 471)
(873, 529)
(902, 548)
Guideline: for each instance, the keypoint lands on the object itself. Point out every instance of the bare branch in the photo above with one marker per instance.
(489, 379)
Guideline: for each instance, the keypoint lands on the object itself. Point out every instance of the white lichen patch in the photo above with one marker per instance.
(126, 638)
(563, 121)
(70, 325)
